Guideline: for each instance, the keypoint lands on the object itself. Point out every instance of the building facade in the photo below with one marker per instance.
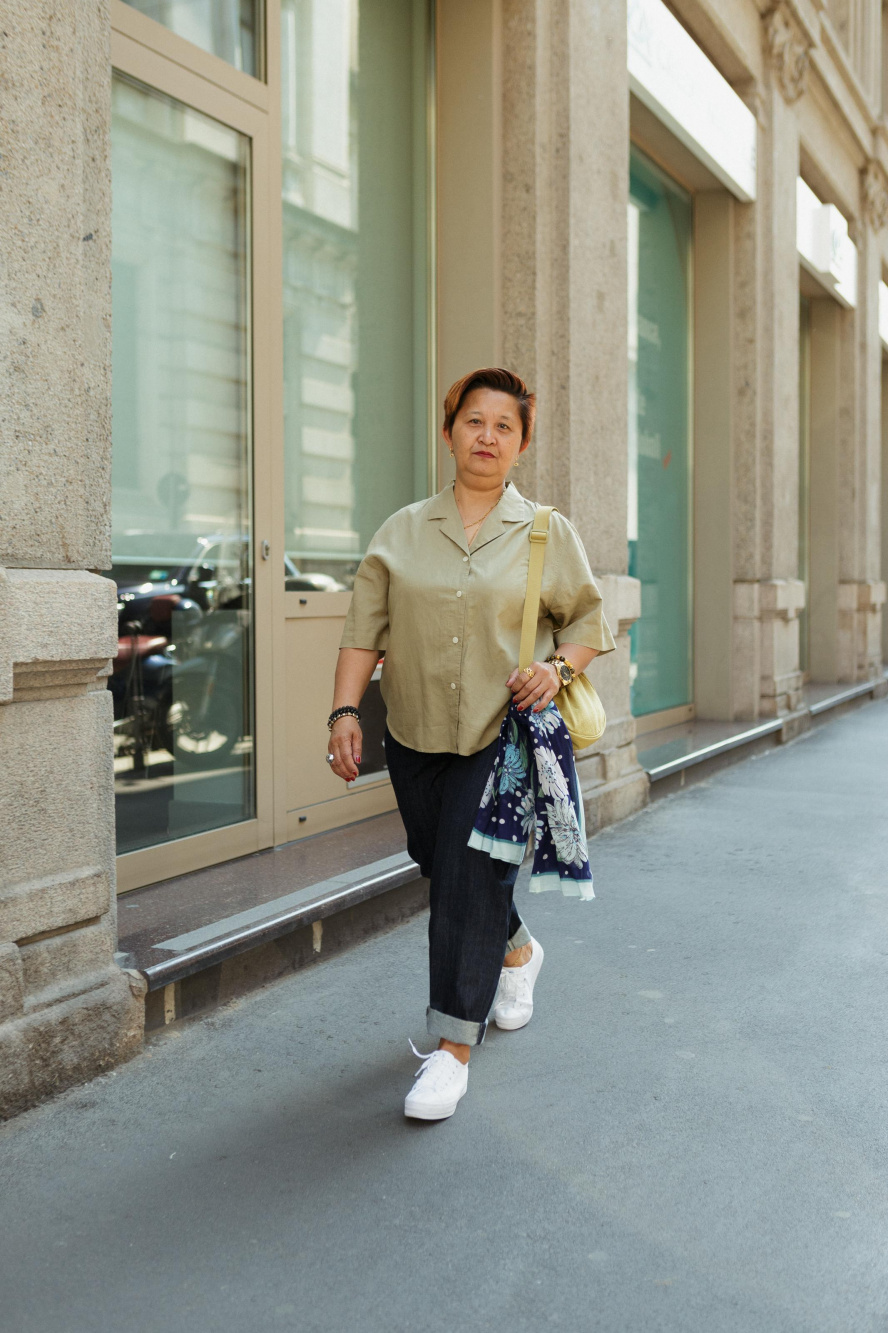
(289, 226)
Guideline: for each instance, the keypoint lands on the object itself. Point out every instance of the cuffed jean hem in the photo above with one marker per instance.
(521, 937)
(459, 1030)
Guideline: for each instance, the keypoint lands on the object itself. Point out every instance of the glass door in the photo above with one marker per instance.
(190, 693)
(182, 469)
(272, 308)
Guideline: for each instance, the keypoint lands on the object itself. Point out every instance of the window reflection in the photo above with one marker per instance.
(226, 28)
(353, 144)
(181, 543)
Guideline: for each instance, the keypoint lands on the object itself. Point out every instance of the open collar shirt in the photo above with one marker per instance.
(448, 616)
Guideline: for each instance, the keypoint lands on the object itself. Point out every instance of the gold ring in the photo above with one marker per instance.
(529, 672)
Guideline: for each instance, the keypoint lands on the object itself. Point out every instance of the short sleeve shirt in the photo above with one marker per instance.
(448, 616)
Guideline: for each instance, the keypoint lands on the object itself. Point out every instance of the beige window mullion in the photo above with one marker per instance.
(271, 335)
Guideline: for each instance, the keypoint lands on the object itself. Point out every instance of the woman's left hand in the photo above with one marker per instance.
(538, 689)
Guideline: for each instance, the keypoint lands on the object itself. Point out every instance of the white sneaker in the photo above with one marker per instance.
(513, 1007)
(441, 1081)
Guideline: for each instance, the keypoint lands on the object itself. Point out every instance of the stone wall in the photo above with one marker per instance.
(67, 1010)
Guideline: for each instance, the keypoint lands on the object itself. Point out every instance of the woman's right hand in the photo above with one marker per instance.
(346, 739)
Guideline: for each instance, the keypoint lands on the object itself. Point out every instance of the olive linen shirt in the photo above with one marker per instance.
(448, 616)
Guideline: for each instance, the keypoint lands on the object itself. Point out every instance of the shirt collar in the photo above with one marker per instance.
(512, 508)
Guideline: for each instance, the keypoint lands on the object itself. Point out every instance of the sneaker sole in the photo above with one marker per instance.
(427, 1113)
(509, 1025)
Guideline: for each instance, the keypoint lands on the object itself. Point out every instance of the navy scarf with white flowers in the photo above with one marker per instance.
(533, 790)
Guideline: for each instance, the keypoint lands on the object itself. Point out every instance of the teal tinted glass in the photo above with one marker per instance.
(226, 28)
(660, 233)
(181, 503)
(805, 477)
(355, 273)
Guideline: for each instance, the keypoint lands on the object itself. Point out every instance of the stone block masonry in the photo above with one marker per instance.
(67, 1011)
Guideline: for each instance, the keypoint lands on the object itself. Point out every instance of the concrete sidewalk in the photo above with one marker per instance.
(690, 1136)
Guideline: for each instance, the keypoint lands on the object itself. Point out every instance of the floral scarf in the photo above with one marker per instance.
(533, 789)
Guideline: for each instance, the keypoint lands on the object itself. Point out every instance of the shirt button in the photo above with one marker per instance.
(455, 639)
(465, 559)
(453, 684)
(459, 594)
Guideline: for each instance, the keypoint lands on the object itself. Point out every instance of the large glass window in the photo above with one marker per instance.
(354, 87)
(226, 28)
(660, 228)
(182, 544)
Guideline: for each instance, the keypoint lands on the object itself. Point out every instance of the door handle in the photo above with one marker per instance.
(265, 548)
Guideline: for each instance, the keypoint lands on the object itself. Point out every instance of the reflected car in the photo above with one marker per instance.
(216, 576)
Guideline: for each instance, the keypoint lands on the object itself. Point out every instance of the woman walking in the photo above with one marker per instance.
(441, 591)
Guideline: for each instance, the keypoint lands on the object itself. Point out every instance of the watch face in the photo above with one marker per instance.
(565, 673)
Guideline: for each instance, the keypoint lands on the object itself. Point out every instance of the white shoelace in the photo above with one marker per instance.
(514, 987)
(432, 1071)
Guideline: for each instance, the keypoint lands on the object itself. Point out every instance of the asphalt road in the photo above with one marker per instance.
(690, 1135)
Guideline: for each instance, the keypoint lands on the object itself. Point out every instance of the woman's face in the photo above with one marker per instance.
(486, 435)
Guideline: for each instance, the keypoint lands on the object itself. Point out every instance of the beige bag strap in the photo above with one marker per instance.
(539, 535)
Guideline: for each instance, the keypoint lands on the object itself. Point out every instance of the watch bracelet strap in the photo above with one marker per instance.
(555, 658)
(539, 537)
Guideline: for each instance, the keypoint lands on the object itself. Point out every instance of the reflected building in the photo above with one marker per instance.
(319, 141)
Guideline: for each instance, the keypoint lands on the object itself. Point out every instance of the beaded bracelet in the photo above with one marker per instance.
(347, 711)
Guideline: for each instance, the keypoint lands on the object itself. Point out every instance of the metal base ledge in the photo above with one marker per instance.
(842, 696)
(717, 748)
(775, 724)
(316, 908)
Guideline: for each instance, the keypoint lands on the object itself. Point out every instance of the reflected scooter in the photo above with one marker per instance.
(141, 683)
(207, 711)
(178, 683)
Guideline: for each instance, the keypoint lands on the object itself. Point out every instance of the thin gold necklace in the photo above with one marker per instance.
(476, 523)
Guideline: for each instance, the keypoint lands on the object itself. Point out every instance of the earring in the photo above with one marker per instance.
(451, 453)
(516, 463)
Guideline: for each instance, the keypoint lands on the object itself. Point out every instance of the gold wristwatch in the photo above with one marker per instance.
(567, 672)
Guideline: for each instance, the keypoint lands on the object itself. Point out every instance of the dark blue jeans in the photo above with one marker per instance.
(473, 922)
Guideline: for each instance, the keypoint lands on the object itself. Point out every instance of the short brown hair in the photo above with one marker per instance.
(492, 377)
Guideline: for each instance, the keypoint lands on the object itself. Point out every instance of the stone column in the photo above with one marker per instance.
(564, 320)
(861, 586)
(67, 1011)
(768, 594)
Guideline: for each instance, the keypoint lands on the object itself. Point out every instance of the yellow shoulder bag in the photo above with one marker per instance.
(578, 703)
